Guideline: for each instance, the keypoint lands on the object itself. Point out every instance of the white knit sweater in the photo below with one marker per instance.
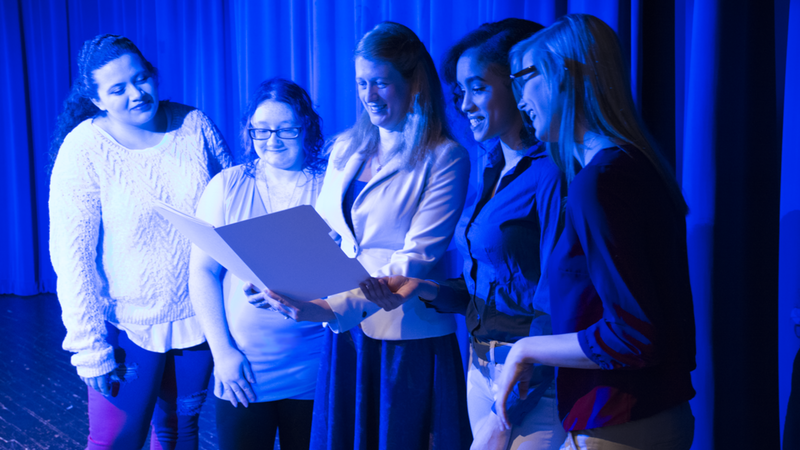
(115, 257)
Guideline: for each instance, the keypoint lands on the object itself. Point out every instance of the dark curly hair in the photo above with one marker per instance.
(315, 159)
(492, 42)
(78, 106)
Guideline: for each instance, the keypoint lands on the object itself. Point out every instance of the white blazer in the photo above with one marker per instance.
(403, 221)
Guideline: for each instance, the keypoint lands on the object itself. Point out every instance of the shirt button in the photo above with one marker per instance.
(364, 314)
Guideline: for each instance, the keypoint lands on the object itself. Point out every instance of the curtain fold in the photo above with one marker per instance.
(789, 271)
(18, 205)
(698, 183)
(703, 74)
(745, 276)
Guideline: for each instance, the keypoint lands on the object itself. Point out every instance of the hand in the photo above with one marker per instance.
(517, 368)
(233, 378)
(100, 383)
(491, 434)
(392, 292)
(313, 311)
(255, 297)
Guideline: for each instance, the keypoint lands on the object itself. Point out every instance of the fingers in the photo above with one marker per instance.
(248, 391)
(500, 404)
(366, 289)
(100, 384)
(372, 291)
(248, 373)
(377, 291)
(227, 393)
(259, 301)
(282, 305)
(383, 286)
(250, 289)
(242, 392)
(507, 379)
(104, 385)
(255, 297)
(219, 388)
(231, 396)
(393, 300)
(238, 389)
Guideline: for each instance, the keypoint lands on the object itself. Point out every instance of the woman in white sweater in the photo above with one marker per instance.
(122, 269)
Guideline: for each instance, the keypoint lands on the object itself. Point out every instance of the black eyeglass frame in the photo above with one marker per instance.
(525, 71)
(252, 133)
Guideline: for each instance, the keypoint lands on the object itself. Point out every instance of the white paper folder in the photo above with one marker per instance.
(290, 252)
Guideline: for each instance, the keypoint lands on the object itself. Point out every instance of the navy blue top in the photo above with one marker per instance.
(505, 241)
(355, 188)
(619, 277)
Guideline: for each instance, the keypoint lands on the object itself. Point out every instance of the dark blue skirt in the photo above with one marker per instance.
(375, 394)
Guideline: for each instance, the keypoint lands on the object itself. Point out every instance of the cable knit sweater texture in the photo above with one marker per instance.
(115, 257)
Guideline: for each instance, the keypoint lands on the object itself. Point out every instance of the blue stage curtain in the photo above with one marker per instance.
(698, 182)
(789, 293)
(708, 78)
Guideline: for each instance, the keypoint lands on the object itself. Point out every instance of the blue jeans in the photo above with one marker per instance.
(168, 388)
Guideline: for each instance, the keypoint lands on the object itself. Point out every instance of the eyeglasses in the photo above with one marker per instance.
(525, 71)
(262, 134)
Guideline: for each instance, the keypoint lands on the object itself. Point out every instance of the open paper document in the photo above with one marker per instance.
(290, 252)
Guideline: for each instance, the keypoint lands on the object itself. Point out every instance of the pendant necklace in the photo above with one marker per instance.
(375, 166)
(291, 197)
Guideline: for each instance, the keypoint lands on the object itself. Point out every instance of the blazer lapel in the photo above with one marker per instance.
(388, 171)
(347, 175)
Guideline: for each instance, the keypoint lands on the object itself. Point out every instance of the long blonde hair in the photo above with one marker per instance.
(425, 126)
(580, 58)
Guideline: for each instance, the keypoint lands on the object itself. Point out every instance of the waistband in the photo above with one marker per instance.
(492, 351)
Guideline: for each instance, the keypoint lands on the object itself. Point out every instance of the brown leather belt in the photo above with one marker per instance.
(484, 350)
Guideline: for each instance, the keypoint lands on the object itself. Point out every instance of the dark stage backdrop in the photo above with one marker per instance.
(712, 80)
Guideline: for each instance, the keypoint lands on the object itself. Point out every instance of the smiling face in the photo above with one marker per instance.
(126, 91)
(488, 101)
(285, 154)
(539, 103)
(383, 92)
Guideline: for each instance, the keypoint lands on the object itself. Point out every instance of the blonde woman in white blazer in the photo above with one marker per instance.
(402, 222)
(393, 192)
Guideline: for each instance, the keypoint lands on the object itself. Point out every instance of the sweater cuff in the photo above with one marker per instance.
(94, 364)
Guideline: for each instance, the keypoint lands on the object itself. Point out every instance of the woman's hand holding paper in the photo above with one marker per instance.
(392, 292)
(301, 311)
(255, 297)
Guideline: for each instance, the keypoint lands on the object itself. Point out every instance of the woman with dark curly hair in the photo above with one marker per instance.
(261, 360)
(122, 268)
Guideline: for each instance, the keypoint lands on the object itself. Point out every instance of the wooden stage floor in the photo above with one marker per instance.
(42, 400)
